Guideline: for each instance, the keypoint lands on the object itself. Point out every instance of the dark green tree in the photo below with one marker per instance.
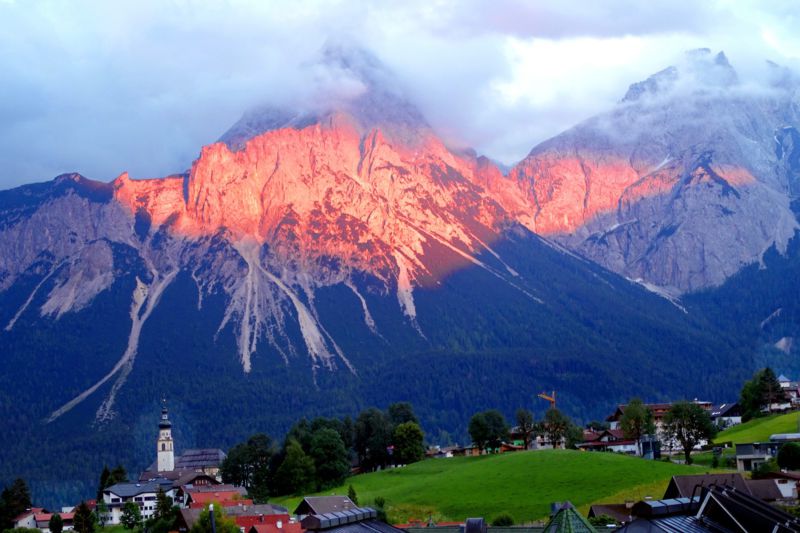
(488, 429)
(222, 523)
(131, 516)
(688, 423)
(351, 493)
(118, 475)
(296, 474)
(556, 426)
(526, 425)
(330, 458)
(248, 465)
(400, 413)
(759, 393)
(14, 499)
(479, 430)
(373, 435)
(103, 483)
(56, 524)
(637, 421)
(83, 520)
(574, 436)
(163, 504)
(789, 456)
(408, 443)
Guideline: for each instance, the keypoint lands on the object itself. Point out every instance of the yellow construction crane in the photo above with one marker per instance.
(551, 398)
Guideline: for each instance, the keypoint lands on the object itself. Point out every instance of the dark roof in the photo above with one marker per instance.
(320, 505)
(618, 511)
(126, 490)
(189, 516)
(764, 489)
(200, 458)
(188, 478)
(568, 520)
(683, 486)
(671, 524)
(726, 409)
(188, 461)
(357, 520)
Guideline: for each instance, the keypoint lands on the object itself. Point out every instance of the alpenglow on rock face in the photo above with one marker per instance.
(686, 181)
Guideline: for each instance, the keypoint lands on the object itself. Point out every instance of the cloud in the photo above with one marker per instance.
(102, 87)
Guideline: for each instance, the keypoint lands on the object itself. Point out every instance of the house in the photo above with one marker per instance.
(356, 520)
(714, 509)
(726, 415)
(609, 440)
(749, 456)
(686, 486)
(658, 410)
(320, 505)
(142, 494)
(39, 518)
(245, 516)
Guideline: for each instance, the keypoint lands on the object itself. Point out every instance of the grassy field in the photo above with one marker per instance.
(759, 429)
(521, 484)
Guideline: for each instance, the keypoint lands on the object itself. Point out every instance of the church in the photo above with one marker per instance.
(190, 463)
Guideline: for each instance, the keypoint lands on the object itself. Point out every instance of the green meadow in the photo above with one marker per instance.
(522, 484)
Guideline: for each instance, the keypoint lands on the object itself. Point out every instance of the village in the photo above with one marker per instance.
(193, 492)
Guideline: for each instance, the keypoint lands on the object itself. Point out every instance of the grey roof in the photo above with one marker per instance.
(764, 489)
(200, 458)
(191, 460)
(257, 509)
(127, 490)
(320, 505)
(672, 524)
(683, 486)
(783, 378)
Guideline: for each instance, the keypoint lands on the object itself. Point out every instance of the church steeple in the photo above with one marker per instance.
(164, 445)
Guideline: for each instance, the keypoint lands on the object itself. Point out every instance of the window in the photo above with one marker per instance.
(163, 447)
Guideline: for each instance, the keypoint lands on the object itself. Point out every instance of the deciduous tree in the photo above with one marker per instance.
(556, 425)
(526, 425)
(131, 516)
(83, 520)
(688, 423)
(296, 474)
(56, 523)
(408, 443)
(637, 421)
(330, 458)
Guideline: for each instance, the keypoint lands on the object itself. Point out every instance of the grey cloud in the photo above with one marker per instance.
(104, 87)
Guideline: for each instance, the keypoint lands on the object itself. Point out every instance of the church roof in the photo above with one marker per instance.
(188, 461)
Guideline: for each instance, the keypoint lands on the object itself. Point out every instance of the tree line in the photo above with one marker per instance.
(320, 454)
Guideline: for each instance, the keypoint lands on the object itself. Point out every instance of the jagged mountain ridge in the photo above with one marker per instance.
(689, 179)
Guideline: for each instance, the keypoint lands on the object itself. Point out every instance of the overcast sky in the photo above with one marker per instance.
(104, 87)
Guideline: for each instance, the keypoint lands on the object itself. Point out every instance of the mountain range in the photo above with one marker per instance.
(336, 254)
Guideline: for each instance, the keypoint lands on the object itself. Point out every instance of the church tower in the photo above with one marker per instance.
(164, 447)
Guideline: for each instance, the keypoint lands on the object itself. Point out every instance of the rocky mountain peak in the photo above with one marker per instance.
(699, 70)
(344, 79)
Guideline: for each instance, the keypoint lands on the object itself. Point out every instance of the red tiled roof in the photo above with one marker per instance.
(28, 512)
(288, 527)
